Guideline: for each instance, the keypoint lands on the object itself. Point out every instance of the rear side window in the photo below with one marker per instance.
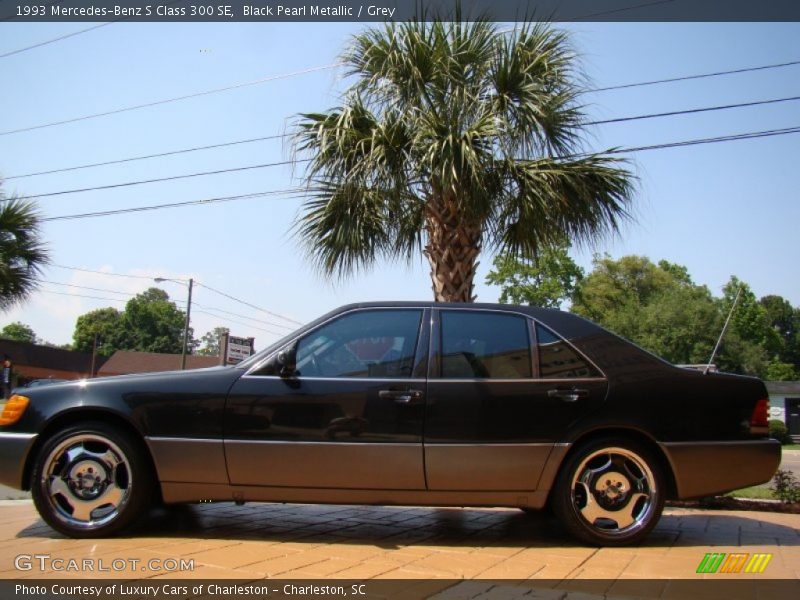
(558, 360)
(484, 345)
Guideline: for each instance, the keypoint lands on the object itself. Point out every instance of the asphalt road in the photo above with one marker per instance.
(790, 461)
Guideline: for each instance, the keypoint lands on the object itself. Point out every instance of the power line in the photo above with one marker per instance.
(282, 163)
(156, 180)
(337, 64)
(264, 310)
(698, 76)
(159, 155)
(693, 110)
(196, 283)
(54, 40)
(227, 312)
(134, 209)
(280, 136)
(170, 100)
(712, 140)
(83, 287)
(83, 296)
(229, 320)
(300, 191)
(101, 272)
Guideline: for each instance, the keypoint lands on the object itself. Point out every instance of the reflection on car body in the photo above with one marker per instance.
(401, 403)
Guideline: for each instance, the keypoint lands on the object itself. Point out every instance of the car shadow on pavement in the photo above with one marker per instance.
(395, 527)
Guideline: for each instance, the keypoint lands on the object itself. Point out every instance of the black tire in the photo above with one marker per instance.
(91, 480)
(610, 492)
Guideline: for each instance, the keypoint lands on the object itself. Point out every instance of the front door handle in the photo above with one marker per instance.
(568, 395)
(401, 396)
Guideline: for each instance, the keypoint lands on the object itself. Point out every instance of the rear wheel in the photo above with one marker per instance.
(91, 480)
(610, 492)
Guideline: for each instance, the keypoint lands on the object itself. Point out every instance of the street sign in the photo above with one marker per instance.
(238, 349)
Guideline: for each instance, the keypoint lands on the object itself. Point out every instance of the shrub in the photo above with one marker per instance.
(785, 486)
(778, 431)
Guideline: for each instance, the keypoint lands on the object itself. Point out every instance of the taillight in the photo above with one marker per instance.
(760, 417)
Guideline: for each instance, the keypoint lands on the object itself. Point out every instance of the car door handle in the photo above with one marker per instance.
(568, 395)
(401, 396)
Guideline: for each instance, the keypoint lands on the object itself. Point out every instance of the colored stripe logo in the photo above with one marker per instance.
(720, 562)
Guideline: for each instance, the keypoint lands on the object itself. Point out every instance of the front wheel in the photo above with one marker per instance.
(91, 480)
(610, 492)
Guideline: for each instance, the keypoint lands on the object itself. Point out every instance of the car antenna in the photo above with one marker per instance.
(724, 329)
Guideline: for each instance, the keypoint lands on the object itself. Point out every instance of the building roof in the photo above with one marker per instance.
(783, 388)
(25, 354)
(123, 362)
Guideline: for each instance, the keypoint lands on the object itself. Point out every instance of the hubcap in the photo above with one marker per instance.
(87, 481)
(614, 491)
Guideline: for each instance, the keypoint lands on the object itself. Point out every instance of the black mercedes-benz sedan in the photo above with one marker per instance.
(400, 403)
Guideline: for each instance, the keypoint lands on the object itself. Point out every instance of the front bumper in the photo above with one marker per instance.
(14, 449)
(709, 468)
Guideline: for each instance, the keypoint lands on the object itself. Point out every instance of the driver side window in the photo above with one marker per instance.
(369, 343)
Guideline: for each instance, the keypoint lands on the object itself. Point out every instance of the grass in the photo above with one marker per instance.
(791, 447)
(757, 492)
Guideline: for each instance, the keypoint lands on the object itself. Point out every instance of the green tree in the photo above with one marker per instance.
(210, 341)
(658, 306)
(454, 138)
(778, 371)
(785, 321)
(19, 332)
(22, 251)
(548, 280)
(150, 323)
(105, 325)
(153, 323)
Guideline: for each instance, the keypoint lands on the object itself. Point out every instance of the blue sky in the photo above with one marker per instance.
(719, 209)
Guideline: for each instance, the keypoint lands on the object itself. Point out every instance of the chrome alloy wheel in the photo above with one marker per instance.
(614, 491)
(87, 481)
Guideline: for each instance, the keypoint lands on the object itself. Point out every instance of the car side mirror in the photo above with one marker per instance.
(287, 361)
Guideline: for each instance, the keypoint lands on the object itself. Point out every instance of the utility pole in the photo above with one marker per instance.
(94, 355)
(186, 326)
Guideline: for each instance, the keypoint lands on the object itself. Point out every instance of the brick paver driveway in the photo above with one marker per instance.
(304, 541)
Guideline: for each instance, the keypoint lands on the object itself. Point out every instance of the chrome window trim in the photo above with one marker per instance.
(571, 345)
(538, 381)
(325, 322)
(376, 379)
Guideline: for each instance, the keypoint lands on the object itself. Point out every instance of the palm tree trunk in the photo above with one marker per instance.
(452, 250)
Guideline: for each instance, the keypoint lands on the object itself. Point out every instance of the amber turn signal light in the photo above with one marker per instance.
(13, 409)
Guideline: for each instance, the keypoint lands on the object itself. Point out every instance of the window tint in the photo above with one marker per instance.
(376, 343)
(484, 345)
(558, 360)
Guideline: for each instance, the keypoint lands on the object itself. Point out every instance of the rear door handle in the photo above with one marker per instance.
(401, 396)
(568, 395)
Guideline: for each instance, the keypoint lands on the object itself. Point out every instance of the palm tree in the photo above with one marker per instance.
(22, 253)
(454, 138)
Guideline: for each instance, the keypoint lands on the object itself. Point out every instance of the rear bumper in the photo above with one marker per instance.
(14, 449)
(708, 468)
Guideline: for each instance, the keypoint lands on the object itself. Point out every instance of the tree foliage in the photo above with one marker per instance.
(658, 306)
(454, 138)
(210, 341)
(19, 332)
(548, 280)
(22, 251)
(151, 322)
